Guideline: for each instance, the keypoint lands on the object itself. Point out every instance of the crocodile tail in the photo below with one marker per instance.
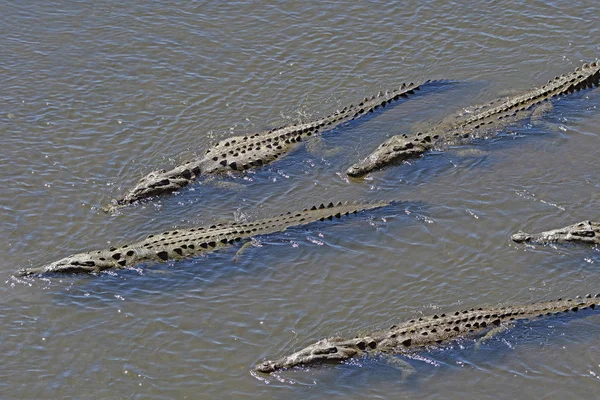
(583, 77)
(586, 76)
(546, 308)
(315, 213)
(381, 99)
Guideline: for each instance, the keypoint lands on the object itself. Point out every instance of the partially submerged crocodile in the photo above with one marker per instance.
(239, 153)
(583, 232)
(425, 332)
(181, 243)
(478, 122)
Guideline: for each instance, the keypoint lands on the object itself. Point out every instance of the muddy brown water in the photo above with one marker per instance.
(96, 94)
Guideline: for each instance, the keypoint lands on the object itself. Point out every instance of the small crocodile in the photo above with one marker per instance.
(582, 232)
(181, 243)
(426, 332)
(239, 153)
(478, 122)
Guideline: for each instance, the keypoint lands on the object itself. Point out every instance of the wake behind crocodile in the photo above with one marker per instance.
(240, 153)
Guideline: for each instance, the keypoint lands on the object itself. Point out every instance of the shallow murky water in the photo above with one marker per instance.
(96, 94)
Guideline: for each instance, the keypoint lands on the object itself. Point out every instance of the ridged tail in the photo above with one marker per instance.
(586, 76)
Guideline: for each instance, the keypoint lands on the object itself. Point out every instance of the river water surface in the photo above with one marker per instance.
(96, 94)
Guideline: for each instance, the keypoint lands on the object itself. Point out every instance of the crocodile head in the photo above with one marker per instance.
(396, 149)
(157, 183)
(76, 263)
(520, 237)
(584, 232)
(331, 350)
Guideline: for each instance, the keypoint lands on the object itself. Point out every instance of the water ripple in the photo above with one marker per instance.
(96, 94)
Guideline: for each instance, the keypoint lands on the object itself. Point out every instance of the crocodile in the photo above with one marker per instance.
(426, 332)
(182, 243)
(581, 232)
(239, 153)
(477, 122)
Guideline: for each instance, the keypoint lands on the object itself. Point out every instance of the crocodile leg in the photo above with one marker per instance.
(493, 333)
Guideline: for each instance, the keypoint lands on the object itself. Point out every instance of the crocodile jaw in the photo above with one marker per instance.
(520, 237)
(394, 150)
(584, 232)
(71, 264)
(333, 350)
(161, 181)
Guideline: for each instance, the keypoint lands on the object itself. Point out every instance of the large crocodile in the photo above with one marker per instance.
(239, 153)
(478, 122)
(426, 332)
(583, 232)
(181, 243)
